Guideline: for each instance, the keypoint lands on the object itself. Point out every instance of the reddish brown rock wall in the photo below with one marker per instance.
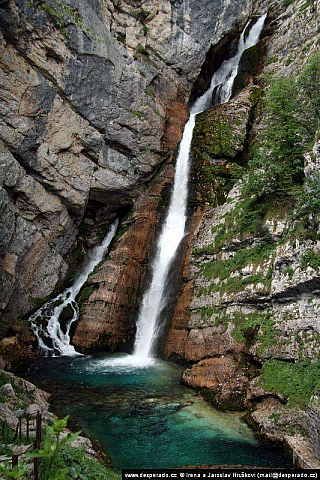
(108, 318)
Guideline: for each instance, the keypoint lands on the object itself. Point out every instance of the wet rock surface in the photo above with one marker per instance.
(108, 315)
(94, 99)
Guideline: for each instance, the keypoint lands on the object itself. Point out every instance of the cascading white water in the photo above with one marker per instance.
(174, 225)
(45, 321)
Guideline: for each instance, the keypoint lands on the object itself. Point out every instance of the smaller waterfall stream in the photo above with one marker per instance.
(174, 226)
(45, 322)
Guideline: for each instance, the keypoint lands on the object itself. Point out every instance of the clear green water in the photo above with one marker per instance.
(145, 418)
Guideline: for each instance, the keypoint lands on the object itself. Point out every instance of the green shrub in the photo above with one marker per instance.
(59, 460)
(296, 381)
(311, 258)
(18, 472)
(82, 467)
(137, 114)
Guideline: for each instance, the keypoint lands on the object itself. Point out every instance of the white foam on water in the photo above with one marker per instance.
(45, 322)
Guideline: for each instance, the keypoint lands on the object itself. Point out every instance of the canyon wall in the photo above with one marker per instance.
(249, 308)
(93, 101)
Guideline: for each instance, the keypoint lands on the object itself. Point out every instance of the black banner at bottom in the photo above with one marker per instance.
(218, 473)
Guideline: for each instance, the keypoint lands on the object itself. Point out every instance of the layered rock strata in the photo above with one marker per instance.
(93, 102)
(110, 302)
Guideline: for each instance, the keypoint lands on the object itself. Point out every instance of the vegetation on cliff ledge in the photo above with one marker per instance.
(277, 167)
(296, 381)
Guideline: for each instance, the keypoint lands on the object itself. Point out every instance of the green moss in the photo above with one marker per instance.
(247, 218)
(213, 135)
(121, 38)
(137, 114)
(247, 325)
(224, 268)
(85, 294)
(103, 230)
(4, 378)
(62, 13)
(271, 60)
(307, 4)
(236, 284)
(276, 416)
(290, 272)
(121, 232)
(149, 91)
(296, 381)
(207, 312)
(213, 179)
(142, 15)
(312, 259)
(142, 51)
(207, 249)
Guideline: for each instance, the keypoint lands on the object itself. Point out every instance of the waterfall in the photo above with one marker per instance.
(45, 322)
(174, 226)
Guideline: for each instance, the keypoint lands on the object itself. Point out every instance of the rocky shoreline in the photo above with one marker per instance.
(21, 399)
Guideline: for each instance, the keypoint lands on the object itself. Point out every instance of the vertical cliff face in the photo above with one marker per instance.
(94, 97)
(250, 301)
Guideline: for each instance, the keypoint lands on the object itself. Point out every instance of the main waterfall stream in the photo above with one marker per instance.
(174, 226)
(134, 404)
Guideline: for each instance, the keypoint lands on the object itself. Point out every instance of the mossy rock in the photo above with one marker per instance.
(213, 134)
(248, 68)
(85, 294)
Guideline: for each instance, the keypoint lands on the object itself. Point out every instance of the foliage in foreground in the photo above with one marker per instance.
(58, 459)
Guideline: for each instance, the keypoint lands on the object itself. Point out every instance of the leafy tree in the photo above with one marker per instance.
(292, 108)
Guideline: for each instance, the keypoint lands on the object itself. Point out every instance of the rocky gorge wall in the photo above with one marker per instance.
(93, 100)
(250, 300)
